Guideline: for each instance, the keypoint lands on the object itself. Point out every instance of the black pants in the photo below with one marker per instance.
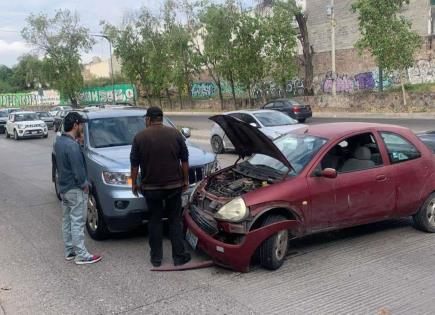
(157, 202)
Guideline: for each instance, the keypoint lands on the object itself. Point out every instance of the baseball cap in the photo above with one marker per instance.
(154, 111)
(74, 118)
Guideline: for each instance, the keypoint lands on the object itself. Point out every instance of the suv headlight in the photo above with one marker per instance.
(21, 126)
(117, 178)
(233, 211)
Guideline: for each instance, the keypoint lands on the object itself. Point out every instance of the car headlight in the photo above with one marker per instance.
(117, 178)
(21, 126)
(233, 211)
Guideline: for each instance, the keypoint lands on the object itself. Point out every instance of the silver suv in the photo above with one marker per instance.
(108, 135)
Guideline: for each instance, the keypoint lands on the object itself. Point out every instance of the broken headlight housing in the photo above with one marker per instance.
(117, 178)
(233, 211)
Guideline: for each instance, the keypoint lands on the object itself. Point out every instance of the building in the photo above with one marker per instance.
(418, 12)
(98, 68)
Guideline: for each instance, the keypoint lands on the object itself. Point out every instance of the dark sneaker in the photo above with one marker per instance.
(89, 260)
(70, 256)
(156, 263)
(181, 260)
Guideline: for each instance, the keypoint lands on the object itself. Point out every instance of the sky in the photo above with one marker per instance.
(13, 15)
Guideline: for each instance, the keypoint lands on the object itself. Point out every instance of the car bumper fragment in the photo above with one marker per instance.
(237, 257)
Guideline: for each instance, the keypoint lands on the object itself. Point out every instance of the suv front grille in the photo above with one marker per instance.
(195, 175)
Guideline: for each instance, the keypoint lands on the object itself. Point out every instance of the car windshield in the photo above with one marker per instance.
(44, 115)
(26, 117)
(298, 149)
(116, 131)
(3, 114)
(274, 119)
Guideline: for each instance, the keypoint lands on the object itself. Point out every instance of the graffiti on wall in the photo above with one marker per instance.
(98, 95)
(210, 89)
(422, 72)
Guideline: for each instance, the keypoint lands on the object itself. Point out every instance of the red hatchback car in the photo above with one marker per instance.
(316, 178)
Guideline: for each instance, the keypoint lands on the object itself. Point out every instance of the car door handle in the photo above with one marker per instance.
(381, 178)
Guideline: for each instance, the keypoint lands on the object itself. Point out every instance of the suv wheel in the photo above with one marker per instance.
(16, 137)
(7, 134)
(424, 219)
(274, 250)
(95, 224)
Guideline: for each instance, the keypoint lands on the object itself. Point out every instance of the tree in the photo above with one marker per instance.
(28, 73)
(387, 35)
(281, 42)
(249, 41)
(61, 40)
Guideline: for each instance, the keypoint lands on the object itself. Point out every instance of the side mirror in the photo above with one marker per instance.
(328, 173)
(185, 132)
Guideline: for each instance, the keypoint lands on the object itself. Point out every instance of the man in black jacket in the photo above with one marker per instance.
(161, 153)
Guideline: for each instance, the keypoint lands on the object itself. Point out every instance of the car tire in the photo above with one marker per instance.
(7, 135)
(56, 182)
(302, 120)
(95, 225)
(272, 252)
(424, 219)
(45, 136)
(16, 137)
(217, 144)
(55, 128)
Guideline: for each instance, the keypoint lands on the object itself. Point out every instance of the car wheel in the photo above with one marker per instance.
(56, 183)
(7, 134)
(55, 128)
(302, 120)
(95, 224)
(45, 136)
(217, 144)
(16, 135)
(274, 250)
(424, 219)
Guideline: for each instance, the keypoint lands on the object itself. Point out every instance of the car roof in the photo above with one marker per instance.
(23, 112)
(253, 111)
(108, 113)
(337, 130)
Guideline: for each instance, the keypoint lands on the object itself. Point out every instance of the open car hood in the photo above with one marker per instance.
(248, 140)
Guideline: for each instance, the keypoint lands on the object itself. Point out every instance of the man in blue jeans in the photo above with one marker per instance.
(74, 189)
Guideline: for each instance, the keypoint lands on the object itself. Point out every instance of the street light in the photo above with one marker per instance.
(111, 63)
(331, 14)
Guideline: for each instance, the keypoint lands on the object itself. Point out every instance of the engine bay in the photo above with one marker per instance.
(232, 184)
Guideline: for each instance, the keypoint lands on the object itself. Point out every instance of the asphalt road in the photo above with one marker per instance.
(202, 122)
(385, 268)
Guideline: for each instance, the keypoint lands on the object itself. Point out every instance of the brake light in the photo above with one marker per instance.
(296, 109)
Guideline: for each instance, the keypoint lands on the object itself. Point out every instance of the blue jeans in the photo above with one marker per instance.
(74, 206)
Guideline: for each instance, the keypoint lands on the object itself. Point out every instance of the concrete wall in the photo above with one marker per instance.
(347, 32)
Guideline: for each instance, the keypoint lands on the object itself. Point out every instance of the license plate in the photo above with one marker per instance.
(34, 132)
(191, 238)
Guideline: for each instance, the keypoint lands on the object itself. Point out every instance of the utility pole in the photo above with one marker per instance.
(111, 64)
(330, 11)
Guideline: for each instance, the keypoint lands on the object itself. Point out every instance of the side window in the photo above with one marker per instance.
(248, 119)
(356, 153)
(269, 106)
(279, 105)
(236, 115)
(399, 149)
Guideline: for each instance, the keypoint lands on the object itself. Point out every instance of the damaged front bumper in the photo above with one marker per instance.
(234, 256)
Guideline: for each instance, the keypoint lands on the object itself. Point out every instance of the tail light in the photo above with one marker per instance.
(296, 109)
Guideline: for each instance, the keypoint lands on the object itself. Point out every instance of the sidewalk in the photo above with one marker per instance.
(422, 115)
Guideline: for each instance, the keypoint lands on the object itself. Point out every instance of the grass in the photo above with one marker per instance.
(423, 87)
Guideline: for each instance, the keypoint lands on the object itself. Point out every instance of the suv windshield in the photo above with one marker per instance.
(44, 114)
(26, 117)
(116, 131)
(273, 119)
(298, 149)
(3, 114)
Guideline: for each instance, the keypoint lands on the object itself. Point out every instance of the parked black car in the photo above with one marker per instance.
(58, 119)
(291, 107)
(47, 118)
(3, 119)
